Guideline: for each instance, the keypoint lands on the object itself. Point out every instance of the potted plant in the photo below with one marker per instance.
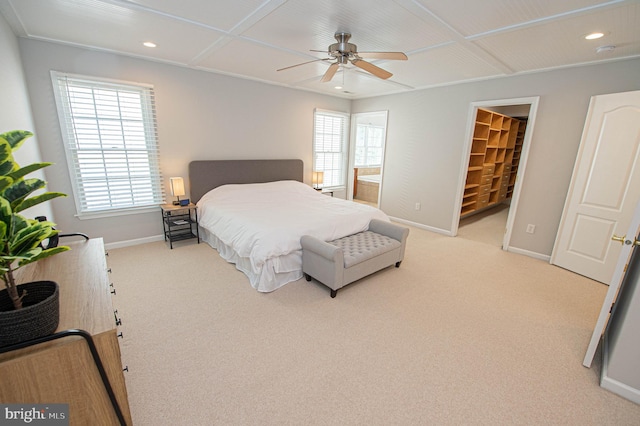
(27, 310)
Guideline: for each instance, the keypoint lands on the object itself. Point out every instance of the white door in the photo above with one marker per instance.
(627, 243)
(604, 190)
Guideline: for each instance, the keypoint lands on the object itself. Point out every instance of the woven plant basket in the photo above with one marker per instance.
(39, 316)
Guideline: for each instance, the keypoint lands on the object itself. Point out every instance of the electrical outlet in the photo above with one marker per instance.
(418, 206)
(531, 228)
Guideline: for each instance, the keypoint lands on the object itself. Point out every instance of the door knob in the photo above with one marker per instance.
(622, 240)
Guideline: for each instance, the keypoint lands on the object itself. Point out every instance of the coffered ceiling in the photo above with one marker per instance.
(446, 41)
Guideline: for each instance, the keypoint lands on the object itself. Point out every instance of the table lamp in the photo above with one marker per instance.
(317, 179)
(177, 189)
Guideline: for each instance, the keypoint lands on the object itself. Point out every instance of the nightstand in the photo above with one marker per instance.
(180, 223)
(328, 192)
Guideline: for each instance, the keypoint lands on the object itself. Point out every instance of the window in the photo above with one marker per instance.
(330, 146)
(369, 140)
(109, 133)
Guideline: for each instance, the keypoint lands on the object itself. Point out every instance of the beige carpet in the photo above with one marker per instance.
(461, 333)
(487, 226)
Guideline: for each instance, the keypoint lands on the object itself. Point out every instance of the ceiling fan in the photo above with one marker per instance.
(344, 52)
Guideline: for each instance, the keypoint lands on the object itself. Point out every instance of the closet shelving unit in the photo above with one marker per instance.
(491, 172)
(517, 152)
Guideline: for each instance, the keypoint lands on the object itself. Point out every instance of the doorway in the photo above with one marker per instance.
(499, 233)
(368, 140)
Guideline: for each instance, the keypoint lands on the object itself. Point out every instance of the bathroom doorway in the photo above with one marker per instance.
(368, 140)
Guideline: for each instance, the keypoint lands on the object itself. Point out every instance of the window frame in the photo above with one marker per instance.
(344, 147)
(151, 174)
(367, 128)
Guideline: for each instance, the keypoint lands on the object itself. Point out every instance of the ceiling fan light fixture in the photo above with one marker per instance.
(345, 53)
(339, 86)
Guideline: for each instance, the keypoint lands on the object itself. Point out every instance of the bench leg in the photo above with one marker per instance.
(307, 277)
(398, 264)
(334, 292)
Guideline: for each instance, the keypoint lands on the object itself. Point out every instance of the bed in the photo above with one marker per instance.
(253, 212)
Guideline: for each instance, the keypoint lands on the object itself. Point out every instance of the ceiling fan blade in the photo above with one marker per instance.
(369, 67)
(303, 63)
(384, 55)
(331, 71)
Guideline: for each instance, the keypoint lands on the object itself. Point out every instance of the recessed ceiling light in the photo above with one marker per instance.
(594, 36)
(338, 87)
(149, 44)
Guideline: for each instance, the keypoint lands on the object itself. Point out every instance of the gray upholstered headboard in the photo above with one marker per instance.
(206, 175)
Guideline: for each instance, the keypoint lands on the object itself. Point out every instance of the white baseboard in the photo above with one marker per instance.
(128, 243)
(533, 254)
(547, 258)
(613, 385)
(625, 391)
(421, 226)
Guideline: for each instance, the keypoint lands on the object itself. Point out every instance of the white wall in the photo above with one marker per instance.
(426, 136)
(15, 111)
(200, 115)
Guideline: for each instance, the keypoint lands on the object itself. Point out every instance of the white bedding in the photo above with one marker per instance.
(258, 226)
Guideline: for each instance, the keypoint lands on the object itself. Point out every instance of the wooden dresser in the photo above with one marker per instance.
(64, 371)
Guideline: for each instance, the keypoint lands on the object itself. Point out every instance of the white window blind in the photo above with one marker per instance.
(330, 146)
(368, 151)
(109, 130)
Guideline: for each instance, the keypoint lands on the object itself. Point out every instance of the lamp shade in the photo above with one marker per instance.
(317, 179)
(177, 186)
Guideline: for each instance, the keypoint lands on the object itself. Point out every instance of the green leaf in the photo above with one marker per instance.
(5, 223)
(29, 237)
(29, 226)
(18, 223)
(37, 199)
(23, 171)
(5, 211)
(16, 137)
(6, 167)
(43, 254)
(5, 149)
(5, 181)
(7, 164)
(21, 189)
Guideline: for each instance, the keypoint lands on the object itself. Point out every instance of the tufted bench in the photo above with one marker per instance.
(340, 262)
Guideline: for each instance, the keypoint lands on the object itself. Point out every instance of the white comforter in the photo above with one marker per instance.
(258, 226)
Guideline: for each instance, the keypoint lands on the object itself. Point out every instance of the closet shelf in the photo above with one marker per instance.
(496, 144)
